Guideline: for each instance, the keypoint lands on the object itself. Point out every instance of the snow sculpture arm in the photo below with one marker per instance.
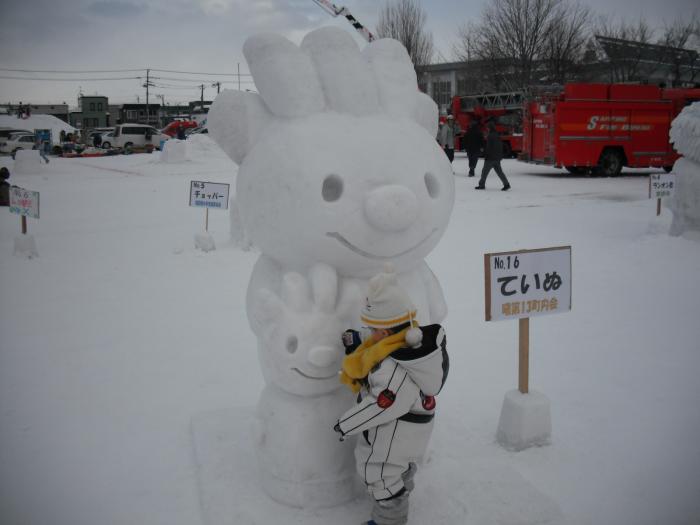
(392, 393)
(436, 299)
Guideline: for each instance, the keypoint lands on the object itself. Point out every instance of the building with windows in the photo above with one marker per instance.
(140, 114)
(92, 112)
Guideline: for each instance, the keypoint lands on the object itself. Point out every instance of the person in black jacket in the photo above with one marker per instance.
(493, 154)
(4, 187)
(474, 142)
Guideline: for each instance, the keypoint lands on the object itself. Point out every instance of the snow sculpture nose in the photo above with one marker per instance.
(322, 356)
(391, 208)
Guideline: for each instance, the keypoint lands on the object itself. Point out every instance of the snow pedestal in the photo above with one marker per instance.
(175, 151)
(525, 420)
(204, 242)
(25, 246)
(302, 461)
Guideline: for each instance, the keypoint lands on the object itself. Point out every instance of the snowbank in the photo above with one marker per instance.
(56, 125)
(29, 162)
(685, 204)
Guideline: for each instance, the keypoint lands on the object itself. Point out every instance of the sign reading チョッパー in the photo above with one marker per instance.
(209, 194)
(527, 283)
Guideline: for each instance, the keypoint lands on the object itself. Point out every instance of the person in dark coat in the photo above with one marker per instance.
(4, 187)
(493, 154)
(474, 142)
(181, 132)
(97, 140)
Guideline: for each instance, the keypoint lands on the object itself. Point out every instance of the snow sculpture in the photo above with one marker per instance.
(685, 204)
(339, 173)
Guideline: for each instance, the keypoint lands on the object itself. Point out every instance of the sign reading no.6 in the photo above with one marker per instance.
(527, 283)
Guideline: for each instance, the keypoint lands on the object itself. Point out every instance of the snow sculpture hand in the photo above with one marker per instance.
(337, 154)
(300, 348)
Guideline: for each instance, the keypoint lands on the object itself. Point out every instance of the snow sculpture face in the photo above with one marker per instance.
(338, 160)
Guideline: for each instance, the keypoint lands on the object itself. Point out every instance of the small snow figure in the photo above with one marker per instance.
(397, 371)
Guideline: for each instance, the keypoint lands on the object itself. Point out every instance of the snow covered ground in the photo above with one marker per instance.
(120, 342)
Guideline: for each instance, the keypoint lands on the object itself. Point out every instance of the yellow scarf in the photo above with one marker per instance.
(357, 365)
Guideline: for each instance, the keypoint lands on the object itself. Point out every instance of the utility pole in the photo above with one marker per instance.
(239, 76)
(201, 98)
(147, 85)
(218, 86)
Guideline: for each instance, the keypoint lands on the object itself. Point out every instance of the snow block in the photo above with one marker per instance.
(204, 242)
(175, 151)
(25, 246)
(525, 421)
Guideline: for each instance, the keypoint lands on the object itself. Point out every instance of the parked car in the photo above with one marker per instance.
(107, 139)
(127, 135)
(197, 131)
(15, 141)
(171, 129)
(6, 132)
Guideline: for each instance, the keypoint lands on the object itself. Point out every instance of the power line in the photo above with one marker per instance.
(201, 73)
(71, 71)
(68, 79)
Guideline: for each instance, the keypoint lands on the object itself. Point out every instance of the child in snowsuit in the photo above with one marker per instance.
(396, 372)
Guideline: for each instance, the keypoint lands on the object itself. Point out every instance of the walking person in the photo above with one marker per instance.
(447, 137)
(474, 142)
(493, 154)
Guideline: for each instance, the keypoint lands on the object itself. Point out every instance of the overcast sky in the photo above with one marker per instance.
(198, 36)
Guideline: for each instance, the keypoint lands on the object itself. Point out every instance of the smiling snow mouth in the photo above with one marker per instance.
(362, 252)
(313, 377)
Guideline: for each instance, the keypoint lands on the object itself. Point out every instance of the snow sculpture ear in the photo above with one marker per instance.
(398, 84)
(426, 113)
(345, 76)
(235, 120)
(284, 76)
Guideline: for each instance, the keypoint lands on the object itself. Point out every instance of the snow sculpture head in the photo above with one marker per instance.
(338, 160)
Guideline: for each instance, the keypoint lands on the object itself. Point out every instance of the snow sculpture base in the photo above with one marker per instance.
(204, 242)
(175, 151)
(525, 421)
(450, 488)
(25, 246)
(685, 203)
(302, 462)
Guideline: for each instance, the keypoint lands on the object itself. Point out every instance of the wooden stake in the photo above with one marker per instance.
(524, 354)
(658, 207)
(24, 225)
(206, 221)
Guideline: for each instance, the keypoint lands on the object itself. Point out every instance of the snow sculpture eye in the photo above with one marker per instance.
(432, 184)
(332, 188)
(292, 344)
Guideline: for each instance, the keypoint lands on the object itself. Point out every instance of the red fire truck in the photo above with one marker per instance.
(505, 109)
(600, 128)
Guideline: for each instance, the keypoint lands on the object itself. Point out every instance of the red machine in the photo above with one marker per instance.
(171, 129)
(505, 109)
(603, 127)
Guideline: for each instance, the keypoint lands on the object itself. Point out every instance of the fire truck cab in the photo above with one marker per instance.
(602, 127)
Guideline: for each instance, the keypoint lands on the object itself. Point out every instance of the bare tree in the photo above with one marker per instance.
(565, 41)
(510, 35)
(681, 43)
(405, 21)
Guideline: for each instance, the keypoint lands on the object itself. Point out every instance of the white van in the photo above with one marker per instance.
(126, 135)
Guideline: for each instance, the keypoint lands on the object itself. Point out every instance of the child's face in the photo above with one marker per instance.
(377, 334)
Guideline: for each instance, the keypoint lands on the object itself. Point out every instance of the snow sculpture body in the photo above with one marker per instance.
(685, 136)
(339, 173)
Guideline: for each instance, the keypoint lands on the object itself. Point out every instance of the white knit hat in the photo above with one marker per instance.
(386, 304)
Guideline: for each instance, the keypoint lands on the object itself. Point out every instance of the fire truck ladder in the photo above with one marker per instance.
(510, 100)
(334, 11)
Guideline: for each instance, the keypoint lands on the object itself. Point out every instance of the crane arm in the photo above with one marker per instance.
(334, 10)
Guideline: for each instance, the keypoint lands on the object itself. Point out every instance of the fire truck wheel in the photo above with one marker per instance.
(576, 170)
(610, 164)
(668, 169)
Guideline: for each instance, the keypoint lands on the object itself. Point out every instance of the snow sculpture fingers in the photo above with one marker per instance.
(301, 348)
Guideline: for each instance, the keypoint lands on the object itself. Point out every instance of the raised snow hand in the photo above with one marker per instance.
(339, 172)
(300, 331)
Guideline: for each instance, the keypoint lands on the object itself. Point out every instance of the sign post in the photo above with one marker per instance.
(24, 203)
(519, 285)
(661, 185)
(208, 195)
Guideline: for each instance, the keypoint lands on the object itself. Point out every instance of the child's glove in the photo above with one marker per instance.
(351, 340)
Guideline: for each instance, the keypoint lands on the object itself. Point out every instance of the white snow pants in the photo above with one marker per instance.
(383, 454)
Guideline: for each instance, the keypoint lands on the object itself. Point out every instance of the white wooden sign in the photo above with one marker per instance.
(24, 202)
(209, 194)
(527, 283)
(661, 185)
